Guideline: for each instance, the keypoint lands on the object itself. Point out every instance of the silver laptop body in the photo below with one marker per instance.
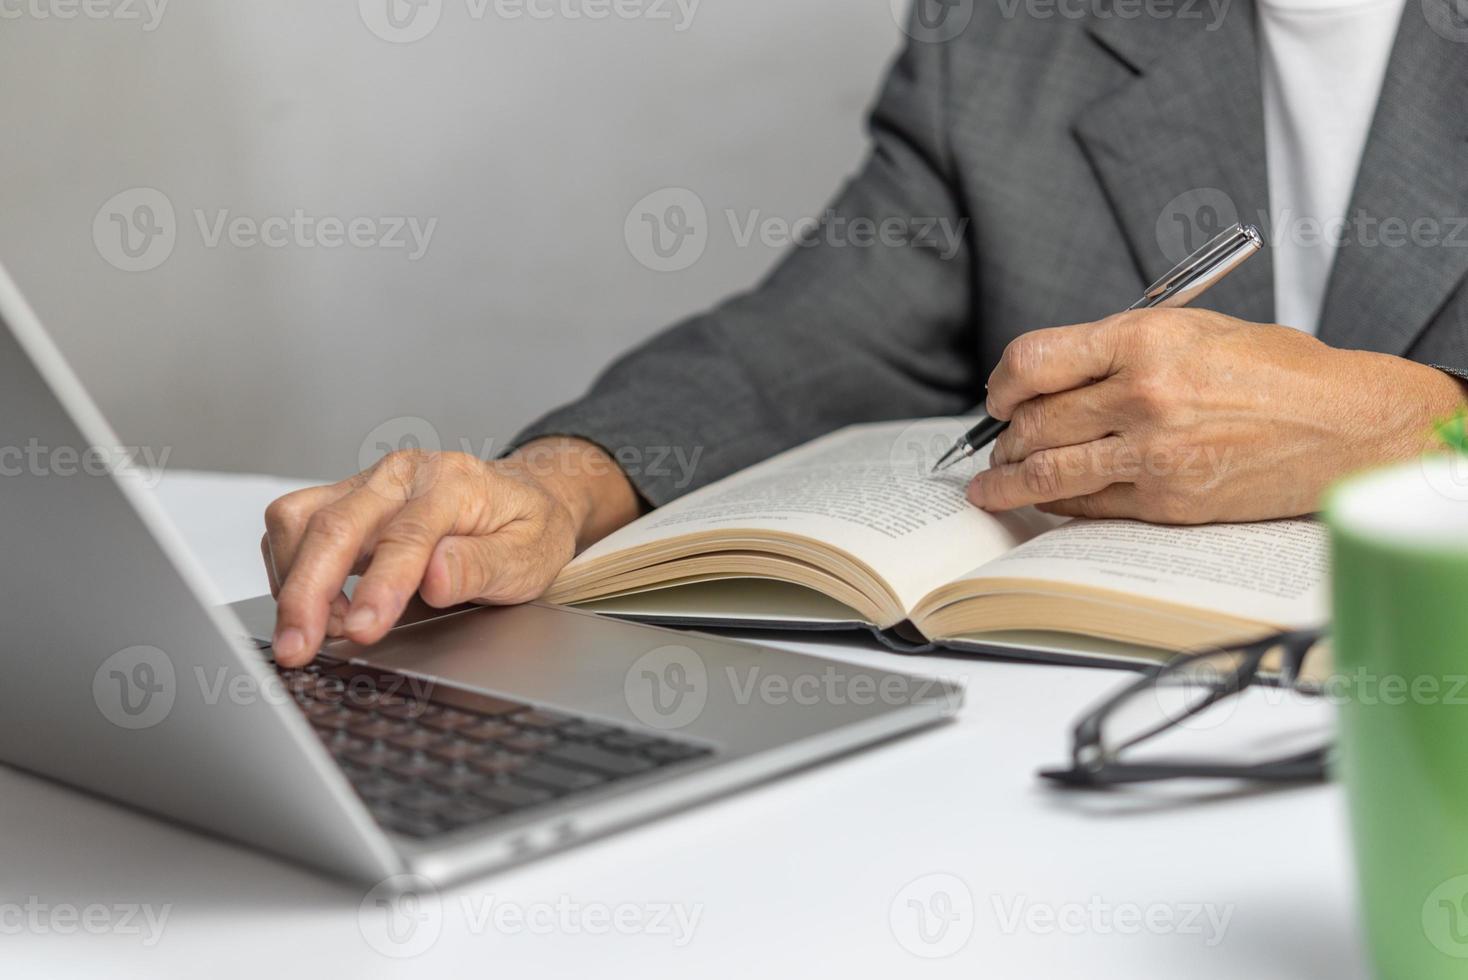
(125, 679)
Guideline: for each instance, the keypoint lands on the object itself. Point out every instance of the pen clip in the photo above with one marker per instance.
(1203, 267)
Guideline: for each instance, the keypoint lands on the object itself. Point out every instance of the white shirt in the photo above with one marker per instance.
(1322, 64)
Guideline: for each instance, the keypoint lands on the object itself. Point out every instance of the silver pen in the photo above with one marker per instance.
(1188, 280)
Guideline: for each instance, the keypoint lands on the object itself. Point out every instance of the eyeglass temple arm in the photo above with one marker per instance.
(1309, 766)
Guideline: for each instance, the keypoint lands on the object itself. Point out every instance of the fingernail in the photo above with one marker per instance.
(289, 644)
(361, 618)
(452, 567)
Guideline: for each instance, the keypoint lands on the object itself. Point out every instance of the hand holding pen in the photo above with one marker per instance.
(1184, 283)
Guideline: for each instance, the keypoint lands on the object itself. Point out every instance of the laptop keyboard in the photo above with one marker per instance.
(429, 759)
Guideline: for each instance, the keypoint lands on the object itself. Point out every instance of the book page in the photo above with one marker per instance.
(730, 600)
(866, 490)
(1274, 571)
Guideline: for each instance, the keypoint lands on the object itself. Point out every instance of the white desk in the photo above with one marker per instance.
(797, 878)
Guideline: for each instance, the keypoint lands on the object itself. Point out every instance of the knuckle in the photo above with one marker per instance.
(1025, 354)
(1151, 395)
(401, 465)
(1140, 333)
(460, 463)
(460, 477)
(1028, 422)
(1132, 324)
(287, 513)
(332, 525)
(1041, 474)
(1118, 333)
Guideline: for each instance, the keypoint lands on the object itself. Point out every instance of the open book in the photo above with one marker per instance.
(851, 530)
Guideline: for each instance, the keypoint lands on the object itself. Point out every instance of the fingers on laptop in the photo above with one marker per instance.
(319, 537)
(339, 605)
(514, 564)
(446, 526)
(399, 560)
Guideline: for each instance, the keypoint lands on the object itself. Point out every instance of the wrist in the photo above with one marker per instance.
(1411, 398)
(584, 480)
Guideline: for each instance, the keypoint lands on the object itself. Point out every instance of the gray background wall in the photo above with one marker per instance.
(528, 139)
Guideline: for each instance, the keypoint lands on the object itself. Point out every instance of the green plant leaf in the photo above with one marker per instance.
(1453, 432)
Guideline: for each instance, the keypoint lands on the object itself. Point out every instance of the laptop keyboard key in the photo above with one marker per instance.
(457, 750)
(369, 726)
(584, 756)
(628, 740)
(584, 729)
(487, 730)
(458, 779)
(538, 718)
(416, 739)
(402, 710)
(528, 741)
(511, 796)
(558, 777)
(460, 758)
(447, 719)
(673, 751)
(376, 756)
(499, 763)
(414, 766)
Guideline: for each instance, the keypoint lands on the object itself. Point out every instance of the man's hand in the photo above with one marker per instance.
(448, 526)
(1189, 416)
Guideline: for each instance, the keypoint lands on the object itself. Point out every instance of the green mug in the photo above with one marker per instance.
(1399, 571)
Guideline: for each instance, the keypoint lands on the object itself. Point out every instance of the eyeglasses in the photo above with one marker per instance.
(1215, 713)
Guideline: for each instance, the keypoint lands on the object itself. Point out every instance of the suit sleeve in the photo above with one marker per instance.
(849, 328)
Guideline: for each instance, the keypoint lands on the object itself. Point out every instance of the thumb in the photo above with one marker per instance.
(498, 569)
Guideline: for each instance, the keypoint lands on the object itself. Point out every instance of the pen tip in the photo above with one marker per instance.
(945, 461)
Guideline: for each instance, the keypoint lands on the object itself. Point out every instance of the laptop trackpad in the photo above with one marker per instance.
(258, 615)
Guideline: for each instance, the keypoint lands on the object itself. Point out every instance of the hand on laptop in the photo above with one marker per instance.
(448, 526)
(1189, 416)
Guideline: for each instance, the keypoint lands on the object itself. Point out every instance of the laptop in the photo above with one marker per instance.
(468, 740)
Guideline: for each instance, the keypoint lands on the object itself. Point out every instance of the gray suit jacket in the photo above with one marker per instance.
(1086, 155)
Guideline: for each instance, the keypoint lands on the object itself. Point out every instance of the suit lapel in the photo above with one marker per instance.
(1179, 147)
(1414, 170)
